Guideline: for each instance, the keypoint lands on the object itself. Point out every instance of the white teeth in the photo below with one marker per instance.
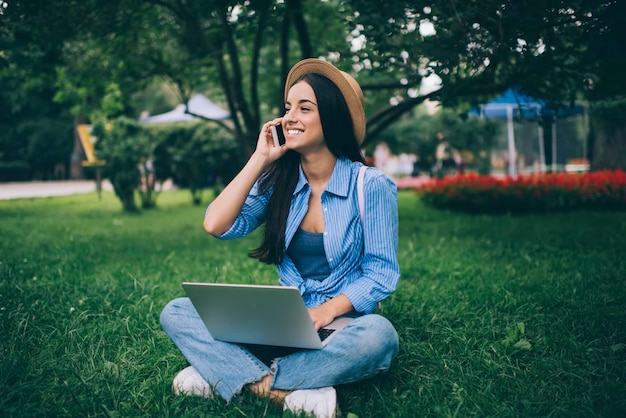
(293, 132)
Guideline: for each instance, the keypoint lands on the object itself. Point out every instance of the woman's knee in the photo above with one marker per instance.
(174, 311)
(379, 335)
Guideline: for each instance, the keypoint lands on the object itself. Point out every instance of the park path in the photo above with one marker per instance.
(27, 189)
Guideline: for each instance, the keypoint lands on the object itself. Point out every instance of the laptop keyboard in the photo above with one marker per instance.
(324, 333)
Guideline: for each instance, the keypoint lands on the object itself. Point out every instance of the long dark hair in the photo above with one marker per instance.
(282, 176)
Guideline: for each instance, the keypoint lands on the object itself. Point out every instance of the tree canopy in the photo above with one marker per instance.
(92, 57)
(557, 50)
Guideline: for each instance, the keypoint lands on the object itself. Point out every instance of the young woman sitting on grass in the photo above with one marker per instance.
(305, 192)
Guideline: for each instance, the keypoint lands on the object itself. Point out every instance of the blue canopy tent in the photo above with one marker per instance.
(198, 105)
(513, 105)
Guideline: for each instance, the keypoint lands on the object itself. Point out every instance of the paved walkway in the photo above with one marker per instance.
(28, 189)
(48, 188)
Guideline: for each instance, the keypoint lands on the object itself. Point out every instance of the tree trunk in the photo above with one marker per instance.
(609, 131)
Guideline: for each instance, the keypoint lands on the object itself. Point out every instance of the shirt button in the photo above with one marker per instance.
(325, 208)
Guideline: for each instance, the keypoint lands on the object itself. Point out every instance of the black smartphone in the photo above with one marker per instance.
(278, 135)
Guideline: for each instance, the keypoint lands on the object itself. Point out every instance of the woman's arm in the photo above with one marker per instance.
(227, 206)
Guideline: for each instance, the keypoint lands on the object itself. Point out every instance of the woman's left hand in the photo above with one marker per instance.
(327, 312)
(321, 316)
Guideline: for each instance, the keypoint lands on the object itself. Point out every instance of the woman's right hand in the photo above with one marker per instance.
(226, 207)
(265, 144)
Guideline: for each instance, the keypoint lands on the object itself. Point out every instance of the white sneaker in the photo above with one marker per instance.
(189, 382)
(321, 403)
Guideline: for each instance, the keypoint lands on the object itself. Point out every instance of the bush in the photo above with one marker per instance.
(14, 170)
(122, 145)
(195, 156)
(526, 194)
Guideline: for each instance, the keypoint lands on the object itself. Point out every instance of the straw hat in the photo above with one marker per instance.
(348, 86)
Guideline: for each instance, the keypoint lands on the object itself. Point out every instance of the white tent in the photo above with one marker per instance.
(198, 107)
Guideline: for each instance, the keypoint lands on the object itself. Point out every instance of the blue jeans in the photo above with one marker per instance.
(363, 349)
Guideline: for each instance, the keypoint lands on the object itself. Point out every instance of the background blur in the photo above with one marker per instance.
(178, 89)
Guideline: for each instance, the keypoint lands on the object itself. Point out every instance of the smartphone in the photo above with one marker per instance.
(278, 135)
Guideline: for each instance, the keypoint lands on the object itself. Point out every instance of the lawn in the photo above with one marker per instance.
(498, 316)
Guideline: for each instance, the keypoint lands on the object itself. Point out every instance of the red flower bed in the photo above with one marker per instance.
(524, 194)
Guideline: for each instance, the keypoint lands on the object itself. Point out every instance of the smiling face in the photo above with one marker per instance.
(302, 124)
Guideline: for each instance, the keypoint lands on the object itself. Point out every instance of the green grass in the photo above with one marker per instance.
(498, 316)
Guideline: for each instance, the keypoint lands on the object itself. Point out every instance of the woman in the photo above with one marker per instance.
(305, 192)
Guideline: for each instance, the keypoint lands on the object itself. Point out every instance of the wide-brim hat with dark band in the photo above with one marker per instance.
(348, 86)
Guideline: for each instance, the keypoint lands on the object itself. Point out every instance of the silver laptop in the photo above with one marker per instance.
(255, 314)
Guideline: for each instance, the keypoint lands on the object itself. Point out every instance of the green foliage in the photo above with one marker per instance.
(498, 316)
(609, 139)
(112, 101)
(610, 112)
(554, 50)
(139, 157)
(195, 156)
(240, 51)
(35, 133)
(92, 83)
(37, 147)
(123, 146)
(418, 134)
(158, 97)
(49, 144)
(227, 49)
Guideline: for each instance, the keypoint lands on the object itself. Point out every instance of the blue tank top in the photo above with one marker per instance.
(306, 250)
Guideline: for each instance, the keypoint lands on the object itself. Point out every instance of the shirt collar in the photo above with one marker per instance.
(339, 181)
(301, 181)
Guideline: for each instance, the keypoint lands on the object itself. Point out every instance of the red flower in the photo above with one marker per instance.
(561, 191)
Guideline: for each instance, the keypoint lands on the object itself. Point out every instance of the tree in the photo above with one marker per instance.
(245, 49)
(248, 48)
(32, 126)
(242, 48)
(241, 51)
(560, 50)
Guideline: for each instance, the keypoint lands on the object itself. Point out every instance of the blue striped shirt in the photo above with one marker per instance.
(362, 255)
